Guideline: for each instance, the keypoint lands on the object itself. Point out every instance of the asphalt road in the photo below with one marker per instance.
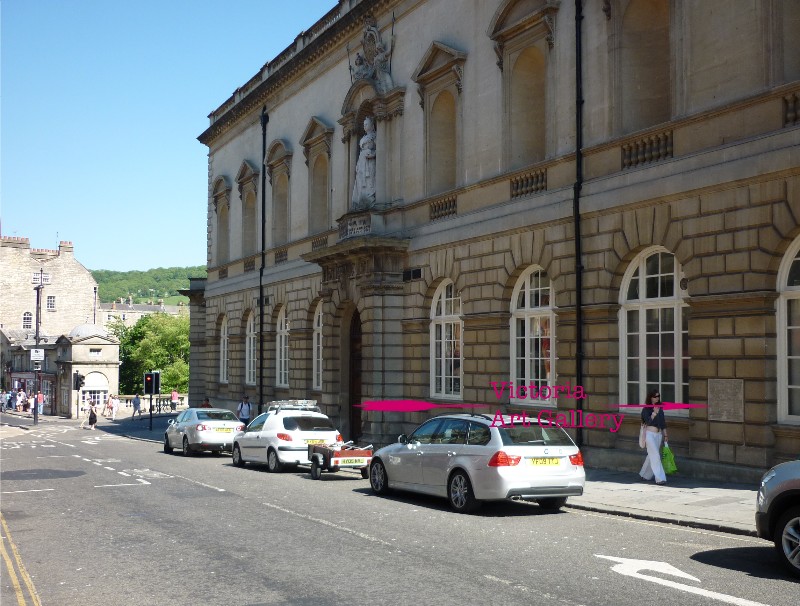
(96, 518)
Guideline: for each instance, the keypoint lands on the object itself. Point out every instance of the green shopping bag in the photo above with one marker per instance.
(668, 460)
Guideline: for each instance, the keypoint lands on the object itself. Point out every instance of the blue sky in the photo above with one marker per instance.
(101, 103)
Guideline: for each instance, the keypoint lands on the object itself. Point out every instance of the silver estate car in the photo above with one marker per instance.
(199, 429)
(473, 458)
(778, 512)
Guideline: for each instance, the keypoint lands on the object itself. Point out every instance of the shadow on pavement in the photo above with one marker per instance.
(761, 562)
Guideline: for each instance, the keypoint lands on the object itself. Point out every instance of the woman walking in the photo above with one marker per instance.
(656, 431)
(92, 417)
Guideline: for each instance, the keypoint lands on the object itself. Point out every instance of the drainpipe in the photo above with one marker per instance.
(576, 207)
(264, 122)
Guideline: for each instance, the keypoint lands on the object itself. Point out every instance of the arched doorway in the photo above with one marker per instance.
(354, 379)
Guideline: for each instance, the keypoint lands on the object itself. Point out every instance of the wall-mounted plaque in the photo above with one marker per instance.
(726, 400)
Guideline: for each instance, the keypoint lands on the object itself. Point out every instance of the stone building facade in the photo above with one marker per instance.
(129, 313)
(614, 205)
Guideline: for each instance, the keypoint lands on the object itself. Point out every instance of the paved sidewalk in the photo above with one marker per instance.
(685, 501)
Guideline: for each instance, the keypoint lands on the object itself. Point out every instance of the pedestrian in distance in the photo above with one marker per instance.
(114, 407)
(173, 400)
(656, 433)
(244, 409)
(137, 406)
(109, 404)
(206, 404)
(39, 402)
(92, 417)
(22, 400)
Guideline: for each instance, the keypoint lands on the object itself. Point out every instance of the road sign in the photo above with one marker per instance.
(37, 355)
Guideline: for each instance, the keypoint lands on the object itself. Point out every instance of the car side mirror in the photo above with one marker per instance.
(402, 438)
(171, 422)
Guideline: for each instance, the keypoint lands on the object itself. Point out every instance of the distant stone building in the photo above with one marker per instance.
(129, 313)
(68, 310)
(448, 203)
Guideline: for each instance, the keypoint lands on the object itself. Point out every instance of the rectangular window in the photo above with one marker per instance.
(94, 352)
(51, 302)
(38, 278)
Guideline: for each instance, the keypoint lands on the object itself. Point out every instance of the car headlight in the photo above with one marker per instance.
(768, 476)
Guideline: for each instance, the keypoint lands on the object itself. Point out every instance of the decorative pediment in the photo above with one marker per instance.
(221, 192)
(437, 62)
(247, 176)
(364, 99)
(316, 134)
(516, 16)
(279, 157)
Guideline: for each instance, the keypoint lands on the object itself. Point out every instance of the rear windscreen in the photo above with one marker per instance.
(222, 415)
(534, 435)
(308, 424)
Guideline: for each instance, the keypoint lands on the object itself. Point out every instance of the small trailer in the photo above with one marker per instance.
(333, 457)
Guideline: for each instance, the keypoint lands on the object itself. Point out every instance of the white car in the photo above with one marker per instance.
(473, 458)
(199, 429)
(281, 436)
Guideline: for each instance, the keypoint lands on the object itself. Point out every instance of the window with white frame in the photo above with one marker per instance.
(51, 302)
(533, 337)
(789, 336)
(446, 342)
(223, 350)
(317, 347)
(250, 351)
(27, 320)
(654, 329)
(282, 349)
(40, 278)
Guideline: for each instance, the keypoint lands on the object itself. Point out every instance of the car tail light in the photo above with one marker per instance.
(285, 437)
(576, 459)
(240, 427)
(502, 459)
(203, 428)
(339, 437)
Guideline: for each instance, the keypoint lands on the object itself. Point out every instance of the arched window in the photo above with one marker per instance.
(533, 337)
(27, 320)
(223, 350)
(250, 351)
(317, 349)
(280, 210)
(789, 336)
(282, 349)
(654, 330)
(446, 337)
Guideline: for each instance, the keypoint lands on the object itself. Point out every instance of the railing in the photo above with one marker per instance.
(650, 148)
(250, 265)
(528, 183)
(319, 243)
(443, 207)
(223, 273)
(281, 255)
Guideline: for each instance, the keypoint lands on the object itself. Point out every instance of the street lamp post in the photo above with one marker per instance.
(38, 290)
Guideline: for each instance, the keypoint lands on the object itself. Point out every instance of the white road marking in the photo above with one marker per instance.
(62, 443)
(109, 468)
(331, 525)
(140, 482)
(34, 490)
(52, 457)
(630, 568)
(122, 473)
(201, 484)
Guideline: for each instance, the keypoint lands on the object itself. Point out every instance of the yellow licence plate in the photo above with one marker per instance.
(315, 441)
(544, 461)
(225, 429)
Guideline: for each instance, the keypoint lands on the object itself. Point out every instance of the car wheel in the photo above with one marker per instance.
(238, 461)
(459, 493)
(167, 448)
(316, 471)
(787, 539)
(553, 503)
(187, 451)
(273, 462)
(378, 480)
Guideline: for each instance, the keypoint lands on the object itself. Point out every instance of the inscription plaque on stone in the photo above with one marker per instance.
(726, 400)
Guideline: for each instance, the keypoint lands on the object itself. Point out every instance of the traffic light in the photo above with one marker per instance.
(156, 382)
(78, 380)
(148, 384)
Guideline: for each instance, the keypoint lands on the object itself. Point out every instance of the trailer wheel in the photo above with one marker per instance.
(316, 471)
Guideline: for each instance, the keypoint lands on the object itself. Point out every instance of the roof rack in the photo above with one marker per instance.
(308, 405)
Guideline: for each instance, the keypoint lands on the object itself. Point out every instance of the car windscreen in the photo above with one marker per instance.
(216, 415)
(308, 423)
(534, 435)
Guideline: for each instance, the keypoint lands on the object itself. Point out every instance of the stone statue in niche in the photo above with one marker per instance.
(364, 187)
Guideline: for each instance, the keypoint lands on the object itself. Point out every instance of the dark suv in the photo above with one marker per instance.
(778, 512)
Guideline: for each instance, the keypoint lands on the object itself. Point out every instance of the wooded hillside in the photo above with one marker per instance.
(144, 286)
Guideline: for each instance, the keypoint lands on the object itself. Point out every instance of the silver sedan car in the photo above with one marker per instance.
(472, 458)
(778, 512)
(198, 429)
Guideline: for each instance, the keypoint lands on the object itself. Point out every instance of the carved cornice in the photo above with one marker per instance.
(221, 193)
(316, 134)
(504, 26)
(247, 177)
(279, 158)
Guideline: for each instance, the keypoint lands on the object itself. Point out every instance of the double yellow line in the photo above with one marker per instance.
(12, 569)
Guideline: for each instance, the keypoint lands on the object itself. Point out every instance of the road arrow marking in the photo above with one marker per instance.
(630, 568)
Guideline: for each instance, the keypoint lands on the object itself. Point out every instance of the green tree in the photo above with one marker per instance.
(156, 342)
